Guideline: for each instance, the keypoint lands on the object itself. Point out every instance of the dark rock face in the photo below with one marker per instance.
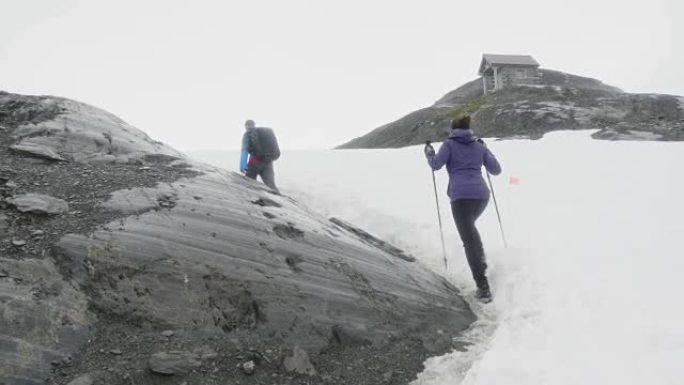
(43, 320)
(372, 240)
(562, 102)
(163, 266)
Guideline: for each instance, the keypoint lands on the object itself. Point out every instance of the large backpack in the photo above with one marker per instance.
(263, 144)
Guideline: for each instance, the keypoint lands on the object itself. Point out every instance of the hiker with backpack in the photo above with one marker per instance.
(259, 150)
(464, 155)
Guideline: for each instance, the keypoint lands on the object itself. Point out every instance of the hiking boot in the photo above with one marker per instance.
(484, 295)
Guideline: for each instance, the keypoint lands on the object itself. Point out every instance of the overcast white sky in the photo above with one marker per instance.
(319, 72)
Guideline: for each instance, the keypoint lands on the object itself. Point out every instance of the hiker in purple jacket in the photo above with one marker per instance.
(464, 155)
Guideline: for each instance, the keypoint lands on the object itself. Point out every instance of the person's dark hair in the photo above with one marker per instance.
(462, 123)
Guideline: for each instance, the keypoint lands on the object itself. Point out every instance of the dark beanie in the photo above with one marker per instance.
(461, 123)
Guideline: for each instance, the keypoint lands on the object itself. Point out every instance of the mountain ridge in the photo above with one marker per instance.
(561, 101)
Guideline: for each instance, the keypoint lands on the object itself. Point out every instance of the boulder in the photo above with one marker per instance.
(174, 362)
(248, 367)
(37, 151)
(86, 379)
(299, 362)
(39, 204)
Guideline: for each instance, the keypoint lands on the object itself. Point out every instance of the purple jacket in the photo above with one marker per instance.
(464, 157)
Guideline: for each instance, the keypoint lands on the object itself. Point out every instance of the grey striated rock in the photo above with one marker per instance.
(87, 134)
(39, 204)
(197, 256)
(174, 362)
(252, 278)
(37, 151)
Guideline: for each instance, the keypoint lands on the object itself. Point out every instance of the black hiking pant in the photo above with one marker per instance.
(265, 171)
(466, 212)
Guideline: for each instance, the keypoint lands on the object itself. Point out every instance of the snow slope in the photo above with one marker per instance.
(587, 291)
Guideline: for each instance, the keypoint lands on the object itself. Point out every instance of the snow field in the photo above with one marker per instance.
(586, 292)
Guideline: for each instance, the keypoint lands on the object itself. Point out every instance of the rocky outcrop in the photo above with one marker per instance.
(43, 321)
(561, 102)
(531, 112)
(164, 266)
(75, 131)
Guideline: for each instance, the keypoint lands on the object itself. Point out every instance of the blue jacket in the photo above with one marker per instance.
(244, 152)
(464, 157)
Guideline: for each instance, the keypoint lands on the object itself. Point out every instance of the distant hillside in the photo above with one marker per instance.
(563, 101)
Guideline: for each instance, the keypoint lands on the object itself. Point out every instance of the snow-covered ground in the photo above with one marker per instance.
(587, 291)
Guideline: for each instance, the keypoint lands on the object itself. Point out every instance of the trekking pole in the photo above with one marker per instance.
(439, 217)
(491, 187)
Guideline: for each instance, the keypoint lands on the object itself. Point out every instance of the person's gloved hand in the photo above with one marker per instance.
(429, 151)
